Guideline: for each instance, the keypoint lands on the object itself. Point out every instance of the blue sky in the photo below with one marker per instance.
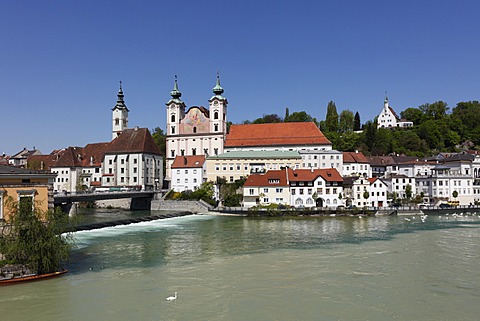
(61, 61)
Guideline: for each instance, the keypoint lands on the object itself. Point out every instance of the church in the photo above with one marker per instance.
(196, 131)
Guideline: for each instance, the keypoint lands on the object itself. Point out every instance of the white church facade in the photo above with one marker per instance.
(196, 131)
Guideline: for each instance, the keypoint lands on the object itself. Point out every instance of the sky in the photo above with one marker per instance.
(61, 61)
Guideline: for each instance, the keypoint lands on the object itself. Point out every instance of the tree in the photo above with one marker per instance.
(35, 238)
(408, 191)
(455, 194)
(268, 119)
(346, 121)
(331, 120)
(357, 125)
(299, 117)
(287, 113)
(160, 139)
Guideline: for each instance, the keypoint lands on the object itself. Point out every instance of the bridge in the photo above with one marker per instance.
(140, 200)
(63, 198)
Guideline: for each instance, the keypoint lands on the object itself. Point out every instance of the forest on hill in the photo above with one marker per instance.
(435, 129)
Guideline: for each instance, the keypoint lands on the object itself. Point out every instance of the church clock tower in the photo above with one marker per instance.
(119, 115)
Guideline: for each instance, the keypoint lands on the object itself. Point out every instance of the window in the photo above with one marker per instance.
(172, 153)
(134, 170)
(178, 180)
(301, 191)
(194, 130)
(173, 118)
(173, 129)
(215, 127)
(186, 180)
(265, 190)
(134, 179)
(178, 171)
(279, 190)
(134, 160)
(265, 199)
(293, 191)
(109, 163)
(117, 121)
(194, 151)
(122, 161)
(215, 115)
(251, 191)
(182, 152)
(122, 170)
(194, 180)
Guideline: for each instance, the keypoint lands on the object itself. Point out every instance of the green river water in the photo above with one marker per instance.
(238, 268)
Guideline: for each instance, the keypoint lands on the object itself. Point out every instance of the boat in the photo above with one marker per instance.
(31, 277)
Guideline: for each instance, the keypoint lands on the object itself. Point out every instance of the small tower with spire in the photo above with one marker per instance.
(175, 110)
(218, 109)
(119, 115)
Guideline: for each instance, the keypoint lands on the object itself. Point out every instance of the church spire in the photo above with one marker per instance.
(218, 90)
(120, 102)
(175, 93)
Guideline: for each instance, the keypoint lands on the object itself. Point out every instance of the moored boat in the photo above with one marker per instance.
(30, 277)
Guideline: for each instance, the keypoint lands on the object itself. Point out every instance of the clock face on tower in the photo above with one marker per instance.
(215, 102)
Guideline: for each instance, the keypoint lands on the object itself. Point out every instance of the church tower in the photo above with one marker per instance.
(218, 110)
(175, 111)
(119, 115)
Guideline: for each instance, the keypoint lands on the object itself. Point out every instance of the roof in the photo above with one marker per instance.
(93, 154)
(309, 175)
(260, 154)
(135, 140)
(16, 171)
(25, 153)
(354, 157)
(195, 161)
(268, 179)
(275, 134)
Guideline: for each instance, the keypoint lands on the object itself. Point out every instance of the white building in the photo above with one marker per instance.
(389, 119)
(133, 160)
(378, 192)
(188, 172)
(265, 189)
(199, 131)
(329, 158)
(356, 164)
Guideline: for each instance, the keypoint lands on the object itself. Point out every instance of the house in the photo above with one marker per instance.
(188, 172)
(25, 186)
(133, 160)
(266, 188)
(389, 119)
(20, 158)
(315, 187)
(356, 164)
(378, 192)
(315, 158)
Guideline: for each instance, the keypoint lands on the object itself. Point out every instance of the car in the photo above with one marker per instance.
(424, 205)
(444, 205)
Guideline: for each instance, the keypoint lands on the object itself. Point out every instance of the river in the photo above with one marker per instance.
(238, 268)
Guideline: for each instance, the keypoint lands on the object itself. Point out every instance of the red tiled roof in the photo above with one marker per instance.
(354, 157)
(195, 161)
(71, 157)
(308, 175)
(266, 179)
(135, 140)
(94, 153)
(275, 134)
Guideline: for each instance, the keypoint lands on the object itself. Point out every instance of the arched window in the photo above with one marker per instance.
(298, 201)
(215, 115)
(309, 201)
(216, 127)
(173, 118)
(173, 129)
(194, 151)
(117, 121)
(194, 129)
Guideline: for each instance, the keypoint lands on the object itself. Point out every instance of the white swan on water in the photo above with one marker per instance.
(171, 298)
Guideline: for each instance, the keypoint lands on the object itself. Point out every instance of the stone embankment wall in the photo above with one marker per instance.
(117, 203)
(174, 205)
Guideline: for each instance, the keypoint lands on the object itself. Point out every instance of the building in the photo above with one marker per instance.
(133, 160)
(198, 131)
(267, 188)
(329, 158)
(236, 165)
(301, 136)
(119, 115)
(315, 187)
(356, 164)
(188, 172)
(25, 186)
(389, 119)
(20, 158)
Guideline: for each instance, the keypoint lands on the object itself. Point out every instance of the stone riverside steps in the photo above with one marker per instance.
(92, 226)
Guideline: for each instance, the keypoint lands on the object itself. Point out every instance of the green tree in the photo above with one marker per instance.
(36, 243)
(299, 116)
(357, 125)
(287, 113)
(414, 115)
(408, 191)
(346, 121)
(268, 119)
(455, 194)
(331, 120)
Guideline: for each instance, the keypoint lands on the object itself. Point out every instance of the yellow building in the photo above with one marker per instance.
(234, 165)
(24, 185)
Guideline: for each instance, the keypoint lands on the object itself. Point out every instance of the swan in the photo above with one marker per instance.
(171, 298)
